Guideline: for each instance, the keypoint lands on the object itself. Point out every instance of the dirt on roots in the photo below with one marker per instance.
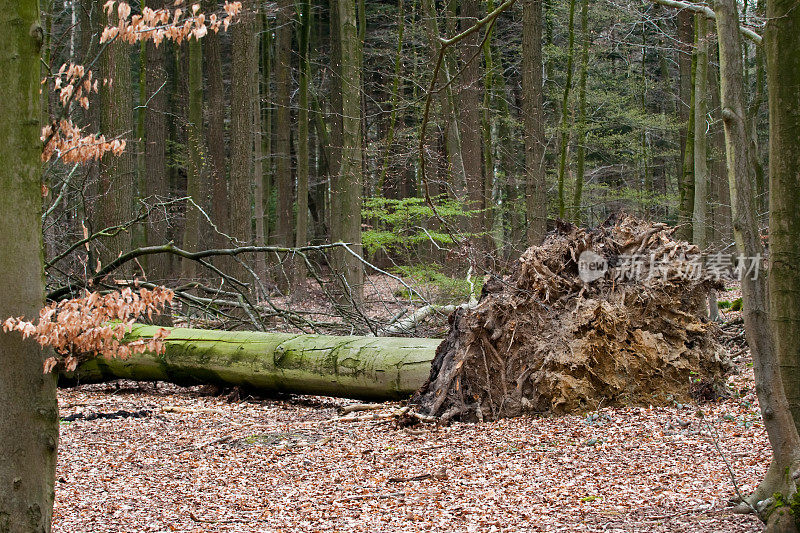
(549, 339)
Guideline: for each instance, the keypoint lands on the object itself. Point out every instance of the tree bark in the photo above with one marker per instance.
(349, 183)
(156, 181)
(562, 162)
(283, 128)
(194, 170)
(29, 415)
(376, 368)
(215, 136)
(469, 115)
(783, 79)
(761, 308)
(447, 104)
(580, 132)
(686, 67)
(699, 218)
(299, 269)
(241, 163)
(533, 120)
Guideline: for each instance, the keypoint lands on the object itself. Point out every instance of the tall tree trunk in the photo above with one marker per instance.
(260, 207)
(301, 238)
(688, 65)
(720, 201)
(447, 104)
(334, 139)
(383, 187)
(156, 180)
(491, 215)
(283, 129)
(533, 121)
(562, 163)
(771, 387)
(215, 136)
(782, 40)
(241, 164)
(350, 183)
(699, 218)
(469, 111)
(580, 132)
(194, 174)
(117, 188)
(266, 138)
(29, 417)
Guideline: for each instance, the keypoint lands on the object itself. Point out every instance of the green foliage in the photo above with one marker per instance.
(400, 225)
(735, 305)
(442, 286)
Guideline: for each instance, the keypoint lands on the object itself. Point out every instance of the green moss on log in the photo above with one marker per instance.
(375, 368)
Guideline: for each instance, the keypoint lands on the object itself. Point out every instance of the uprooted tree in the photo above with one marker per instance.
(544, 340)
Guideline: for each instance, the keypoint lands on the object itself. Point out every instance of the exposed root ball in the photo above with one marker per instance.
(544, 340)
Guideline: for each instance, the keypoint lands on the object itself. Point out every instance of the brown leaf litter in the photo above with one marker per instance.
(201, 464)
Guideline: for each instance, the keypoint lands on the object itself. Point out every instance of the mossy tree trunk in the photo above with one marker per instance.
(29, 413)
(376, 368)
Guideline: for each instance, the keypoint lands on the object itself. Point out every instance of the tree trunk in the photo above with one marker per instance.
(376, 368)
(215, 136)
(766, 346)
(533, 120)
(156, 182)
(383, 187)
(29, 415)
(580, 133)
(114, 204)
(301, 238)
(266, 137)
(562, 163)
(349, 183)
(194, 174)
(452, 135)
(720, 229)
(241, 163)
(688, 67)
(782, 46)
(283, 129)
(469, 113)
(260, 208)
(699, 222)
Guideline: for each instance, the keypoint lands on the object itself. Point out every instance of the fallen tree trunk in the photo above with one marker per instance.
(374, 368)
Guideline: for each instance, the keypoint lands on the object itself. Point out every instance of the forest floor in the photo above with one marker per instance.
(182, 460)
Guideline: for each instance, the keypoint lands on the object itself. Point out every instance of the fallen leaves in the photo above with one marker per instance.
(201, 464)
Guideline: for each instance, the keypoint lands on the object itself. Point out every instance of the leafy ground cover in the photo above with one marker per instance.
(190, 461)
